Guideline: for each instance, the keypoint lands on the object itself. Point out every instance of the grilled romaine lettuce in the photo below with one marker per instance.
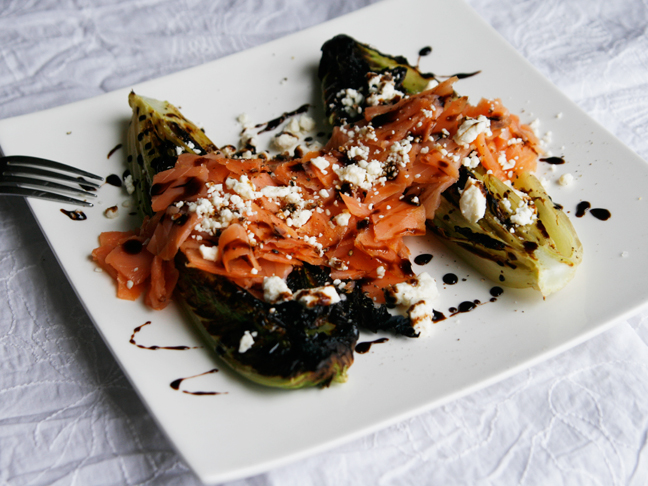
(345, 64)
(294, 346)
(542, 255)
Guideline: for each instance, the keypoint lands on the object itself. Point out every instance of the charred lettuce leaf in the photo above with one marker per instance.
(543, 255)
(294, 346)
(345, 64)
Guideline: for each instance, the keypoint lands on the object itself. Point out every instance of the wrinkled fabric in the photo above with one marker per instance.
(68, 416)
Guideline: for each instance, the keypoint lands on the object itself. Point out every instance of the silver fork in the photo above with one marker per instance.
(26, 176)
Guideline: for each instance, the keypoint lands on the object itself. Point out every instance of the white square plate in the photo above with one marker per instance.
(250, 429)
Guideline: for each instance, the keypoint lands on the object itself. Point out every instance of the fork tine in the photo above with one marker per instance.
(20, 170)
(17, 181)
(22, 191)
(26, 160)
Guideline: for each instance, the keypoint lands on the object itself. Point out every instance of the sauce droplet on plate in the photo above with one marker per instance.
(364, 347)
(75, 215)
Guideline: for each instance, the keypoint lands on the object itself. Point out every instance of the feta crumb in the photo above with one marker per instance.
(432, 83)
(342, 219)
(382, 88)
(380, 271)
(416, 296)
(421, 315)
(247, 341)
(472, 161)
(112, 212)
(129, 284)
(524, 215)
(275, 290)
(321, 163)
(285, 141)
(128, 183)
(422, 287)
(535, 126)
(326, 295)
(471, 128)
(209, 253)
(351, 100)
(306, 123)
(473, 202)
(299, 218)
(566, 179)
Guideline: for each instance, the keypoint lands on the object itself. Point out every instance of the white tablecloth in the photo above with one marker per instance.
(69, 416)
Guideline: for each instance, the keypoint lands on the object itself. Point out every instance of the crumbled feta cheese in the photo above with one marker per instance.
(504, 163)
(358, 151)
(566, 179)
(321, 163)
(524, 215)
(128, 183)
(129, 284)
(351, 100)
(382, 88)
(535, 126)
(243, 187)
(471, 128)
(299, 218)
(432, 83)
(112, 212)
(473, 202)
(247, 341)
(323, 193)
(275, 290)
(342, 219)
(285, 141)
(306, 123)
(326, 295)
(416, 296)
(422, 287)
(209, 253)
(472, 161)
(421, 315)
(380, 271)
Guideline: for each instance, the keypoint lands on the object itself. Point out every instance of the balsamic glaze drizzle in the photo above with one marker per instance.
(423, 259)
(76, 215)
(600, 213)
(114, 180)
(274, 123)
(175, 384)
(450, 279)
(114, 149)
(553, 160)
(175, 348)
(364, 347)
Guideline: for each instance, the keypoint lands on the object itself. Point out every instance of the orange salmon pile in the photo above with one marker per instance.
(346, 207)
